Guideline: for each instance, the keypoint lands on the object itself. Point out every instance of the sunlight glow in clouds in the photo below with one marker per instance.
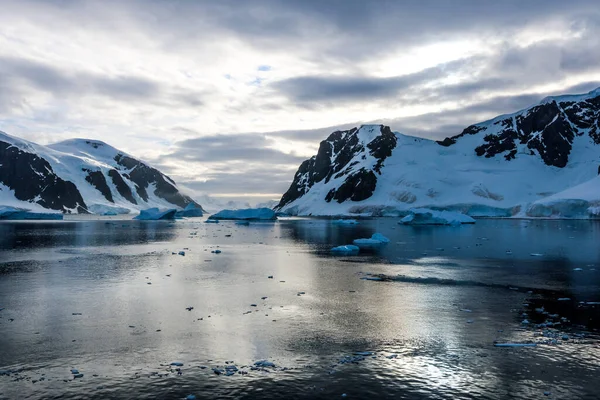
(228, 99)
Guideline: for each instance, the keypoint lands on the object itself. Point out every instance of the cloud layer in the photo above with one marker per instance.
(229, 97)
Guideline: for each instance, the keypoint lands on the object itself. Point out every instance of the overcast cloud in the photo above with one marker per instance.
(229, 97)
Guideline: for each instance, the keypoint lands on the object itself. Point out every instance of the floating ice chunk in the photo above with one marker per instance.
(246, 214)
(377, 240)
(74, 371)
(515, 344)
(191, 210)
(380, 237)
(177, 364)
(245, 223)
(344, 222)
(216, 251)
(363, 353)
(577, 269)
(264, 364)
(156, 214)
(564, 299)
(12, 213)
(368, 243)
(426, 216)
(211, 221)
(181, 253)
(75, 376)
(536, 255)
(349, 248)
(190, 397)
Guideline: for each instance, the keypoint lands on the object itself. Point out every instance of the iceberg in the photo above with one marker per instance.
(191, 210)
(376, 241)
(349, 248)
(12, 213)
(426, 216)
(155, 214)
(102, 209)
(265, 214)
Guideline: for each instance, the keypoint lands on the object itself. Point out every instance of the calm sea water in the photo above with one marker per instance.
(113, 299)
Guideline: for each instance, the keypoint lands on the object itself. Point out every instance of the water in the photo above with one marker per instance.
(429, 326)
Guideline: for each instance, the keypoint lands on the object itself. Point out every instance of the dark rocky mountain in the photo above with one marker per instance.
(547, 129)
(337, 158)
(350, 164)
(75, 174)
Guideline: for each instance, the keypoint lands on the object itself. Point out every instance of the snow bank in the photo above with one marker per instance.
(191, 210)
(103, 209)
(376, 241)
(246, 214)
(426, 216)
(155, 213)
(349, 248)
(12, 213)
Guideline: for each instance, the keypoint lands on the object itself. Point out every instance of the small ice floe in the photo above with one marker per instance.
(470, 321)
(346, 249)
(564, 299)
(577, 269)
(216, 251)
(547, 393)
(190, 397)
(525, 322)
(181, 253)
(301, 293)
(76, 376)
(515, 344)
(211, 221)
(465, 310)
(344, 222)
(377, 240)
(177, 364)
(536, 255)
(245, 223)
(392, 356)
(74, 371)
(264, 364)
(218, 371)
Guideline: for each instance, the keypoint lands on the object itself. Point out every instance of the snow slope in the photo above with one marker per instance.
(80, 175)
(496, 168)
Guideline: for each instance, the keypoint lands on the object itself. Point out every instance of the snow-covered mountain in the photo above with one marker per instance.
(79, 176)
(512, 165)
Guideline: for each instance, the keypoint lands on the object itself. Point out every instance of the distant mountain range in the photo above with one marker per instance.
(81, 176)
(538, 162)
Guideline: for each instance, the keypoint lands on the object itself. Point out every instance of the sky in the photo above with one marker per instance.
(229, 97)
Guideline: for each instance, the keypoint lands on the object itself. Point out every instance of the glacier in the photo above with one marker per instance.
(12, 213)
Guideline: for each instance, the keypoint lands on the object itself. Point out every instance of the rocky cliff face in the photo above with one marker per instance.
(354, 158)
(547, 129)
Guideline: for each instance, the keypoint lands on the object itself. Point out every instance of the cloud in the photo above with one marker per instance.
(230, 148)
(59, 83)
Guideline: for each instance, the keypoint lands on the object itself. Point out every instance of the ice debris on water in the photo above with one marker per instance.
(216, 251)
(515, 344)
(177, 364)
(377, 240)
(190, 397)
(182, 253)
(344, 222)
(264, 364)
(349, 248)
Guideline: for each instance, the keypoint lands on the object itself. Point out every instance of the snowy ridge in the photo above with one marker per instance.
(81, 175)
(500, 167)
